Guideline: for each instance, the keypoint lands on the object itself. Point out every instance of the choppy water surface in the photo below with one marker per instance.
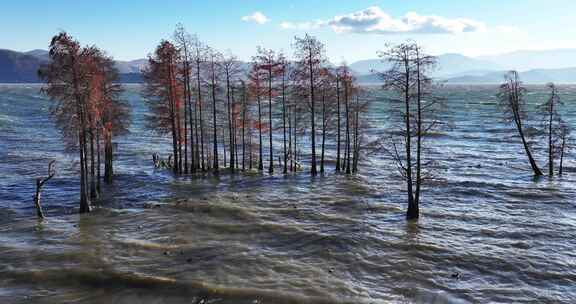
(276, 239)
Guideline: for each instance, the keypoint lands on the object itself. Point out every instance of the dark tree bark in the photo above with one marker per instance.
(39, 184)
(511, 99)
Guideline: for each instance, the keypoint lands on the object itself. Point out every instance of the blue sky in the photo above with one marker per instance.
(351, 30)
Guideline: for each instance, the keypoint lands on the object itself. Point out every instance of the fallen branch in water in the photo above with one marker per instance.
(39, 184)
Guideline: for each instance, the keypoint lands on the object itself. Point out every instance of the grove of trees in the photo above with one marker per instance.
(283, 114)
(88, 108)
(249, 105)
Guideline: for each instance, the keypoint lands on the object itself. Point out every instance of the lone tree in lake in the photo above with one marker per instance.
(511, 97)
(408, 79)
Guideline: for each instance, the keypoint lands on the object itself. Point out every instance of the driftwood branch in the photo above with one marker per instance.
(39, 184)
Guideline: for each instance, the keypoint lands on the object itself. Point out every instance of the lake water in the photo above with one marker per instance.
(248, 238)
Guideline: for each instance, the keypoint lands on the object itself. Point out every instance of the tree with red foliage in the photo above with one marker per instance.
(269, 64)
(81, 81)
(164, 96)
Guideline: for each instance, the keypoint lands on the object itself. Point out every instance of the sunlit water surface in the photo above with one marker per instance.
(247, 238)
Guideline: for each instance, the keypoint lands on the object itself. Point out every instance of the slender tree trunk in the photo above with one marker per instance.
(84, 202)
(260, 156)
(244, 127)
(323, 133)
(295, 138)
(312, 111)
(250, 166)
(413, 211)
(172, 102)
(562, 147)
(285, 170)
(518, 121)
(271, 163)
(93, 193)
(202, 162)
(418, 132)
(215, 135)
(185, 118)
(108, 158)
(291, 155)
(192, 122)
(98, 148)
(356, 137)
(224, 147)
(230, 127)
(338, 124)
(550, 145)
(347, 106)
(179, 137)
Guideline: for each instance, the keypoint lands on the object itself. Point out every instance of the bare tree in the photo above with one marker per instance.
(268, 62)
(511, 97)
(215, 59)
(183, 41)
(552, 123)
(407, 77)
(310, 56)
(231, 69)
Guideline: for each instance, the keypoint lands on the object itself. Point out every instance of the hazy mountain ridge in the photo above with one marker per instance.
(534, 66)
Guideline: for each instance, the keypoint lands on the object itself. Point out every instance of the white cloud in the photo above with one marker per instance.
(375, 21)
(256, 17)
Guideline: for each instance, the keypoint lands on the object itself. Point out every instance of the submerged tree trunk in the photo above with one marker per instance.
(413, 211)
(39, 184)
(215, 135)
(243, 127)
(347, 109)
(356, 137)
(98, 166)
(323, 133)
(260, 152)
(312, 118)
(93, 193)
(271, 156)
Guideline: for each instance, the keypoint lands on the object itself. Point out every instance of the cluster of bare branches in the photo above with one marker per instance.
(248, 102)
(556, 131)
(414, 107)
(87, 109)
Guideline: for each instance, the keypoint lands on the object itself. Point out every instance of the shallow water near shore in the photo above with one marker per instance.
(489, 231)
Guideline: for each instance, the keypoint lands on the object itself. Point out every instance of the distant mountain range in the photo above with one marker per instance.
(534, 67)
(22, 67)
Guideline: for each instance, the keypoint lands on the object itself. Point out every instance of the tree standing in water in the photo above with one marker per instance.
(81, 81)
(164, 96)
(267, 62)
(511, 98)
(231, 70)
(310, 57)
(255, 84)
(407, 77)
(552, 123)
